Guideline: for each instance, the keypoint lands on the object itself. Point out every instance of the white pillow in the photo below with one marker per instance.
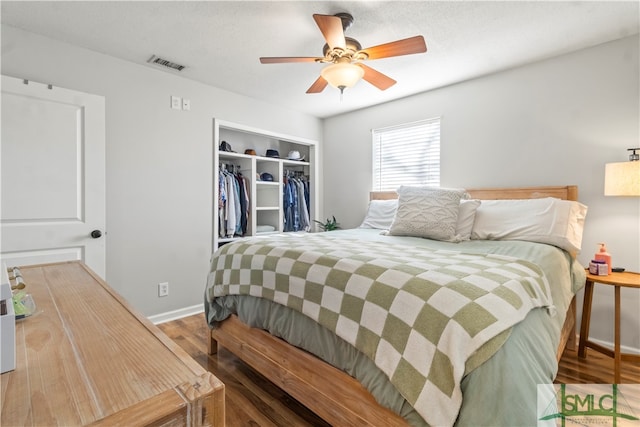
(380, 214)
(466, 218)
(547, 220)
(428, 212)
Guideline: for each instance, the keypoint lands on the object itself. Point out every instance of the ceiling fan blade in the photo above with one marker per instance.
(376, 78)
(331, 28)
(397, 48)
(318, 86)
(285, 59)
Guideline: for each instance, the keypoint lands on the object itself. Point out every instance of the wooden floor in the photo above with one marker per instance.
(254, 401)
(251, 399)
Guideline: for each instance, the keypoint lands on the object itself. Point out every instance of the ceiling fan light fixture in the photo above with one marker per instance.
(346, 56)
(342, 75)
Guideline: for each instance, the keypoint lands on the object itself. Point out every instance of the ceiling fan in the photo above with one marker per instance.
(345, 55)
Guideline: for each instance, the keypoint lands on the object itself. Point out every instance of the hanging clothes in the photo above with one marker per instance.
(233, 202)
(244, 185)
(295, 201)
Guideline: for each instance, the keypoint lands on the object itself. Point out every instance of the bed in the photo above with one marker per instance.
(300, 356)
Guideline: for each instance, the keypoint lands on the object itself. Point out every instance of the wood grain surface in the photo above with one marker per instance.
(86, 355)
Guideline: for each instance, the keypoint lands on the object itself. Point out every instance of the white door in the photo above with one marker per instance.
(53, 175)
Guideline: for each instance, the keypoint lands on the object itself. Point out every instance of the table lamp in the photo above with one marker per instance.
(623, 179)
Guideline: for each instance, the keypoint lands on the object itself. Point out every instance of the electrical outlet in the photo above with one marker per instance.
(163, 289)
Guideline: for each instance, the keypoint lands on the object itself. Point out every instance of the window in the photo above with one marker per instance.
(407, 154)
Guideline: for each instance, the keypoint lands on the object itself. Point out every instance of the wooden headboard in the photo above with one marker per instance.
(567, 192)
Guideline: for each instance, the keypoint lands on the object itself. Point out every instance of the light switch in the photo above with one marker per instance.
(186, 104)
(176, 103)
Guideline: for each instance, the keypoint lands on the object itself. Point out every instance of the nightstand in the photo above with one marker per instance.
(617, 280)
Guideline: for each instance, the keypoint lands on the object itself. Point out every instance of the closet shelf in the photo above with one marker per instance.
(295, 162)
(232, 155)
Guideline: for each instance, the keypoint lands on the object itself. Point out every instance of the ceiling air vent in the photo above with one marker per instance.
(165, 63)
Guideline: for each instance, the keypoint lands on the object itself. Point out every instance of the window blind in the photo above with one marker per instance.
(407, 154)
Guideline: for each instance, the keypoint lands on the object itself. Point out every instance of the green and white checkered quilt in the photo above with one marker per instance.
(417, 313)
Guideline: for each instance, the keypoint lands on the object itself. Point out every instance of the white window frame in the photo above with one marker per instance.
(410, 152)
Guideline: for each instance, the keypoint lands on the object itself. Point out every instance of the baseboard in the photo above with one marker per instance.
(623, 348)
(176, 314)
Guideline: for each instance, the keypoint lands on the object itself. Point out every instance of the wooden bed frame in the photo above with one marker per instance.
(330, 392)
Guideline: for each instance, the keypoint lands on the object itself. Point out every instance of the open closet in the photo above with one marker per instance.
(263, 183)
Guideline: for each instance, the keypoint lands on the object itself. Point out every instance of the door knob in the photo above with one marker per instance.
(96, 234)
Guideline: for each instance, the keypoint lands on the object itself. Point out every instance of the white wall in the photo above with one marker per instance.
(159, 161)
(554, 122)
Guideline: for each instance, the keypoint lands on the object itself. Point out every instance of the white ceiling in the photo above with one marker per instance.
(220, 41)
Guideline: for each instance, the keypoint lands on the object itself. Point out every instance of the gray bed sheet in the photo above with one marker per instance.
(499, 391)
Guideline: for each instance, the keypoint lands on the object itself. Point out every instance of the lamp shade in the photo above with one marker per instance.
(622, 179)
(342, 74)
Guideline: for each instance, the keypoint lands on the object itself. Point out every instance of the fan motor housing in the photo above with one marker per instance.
(352, 45)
